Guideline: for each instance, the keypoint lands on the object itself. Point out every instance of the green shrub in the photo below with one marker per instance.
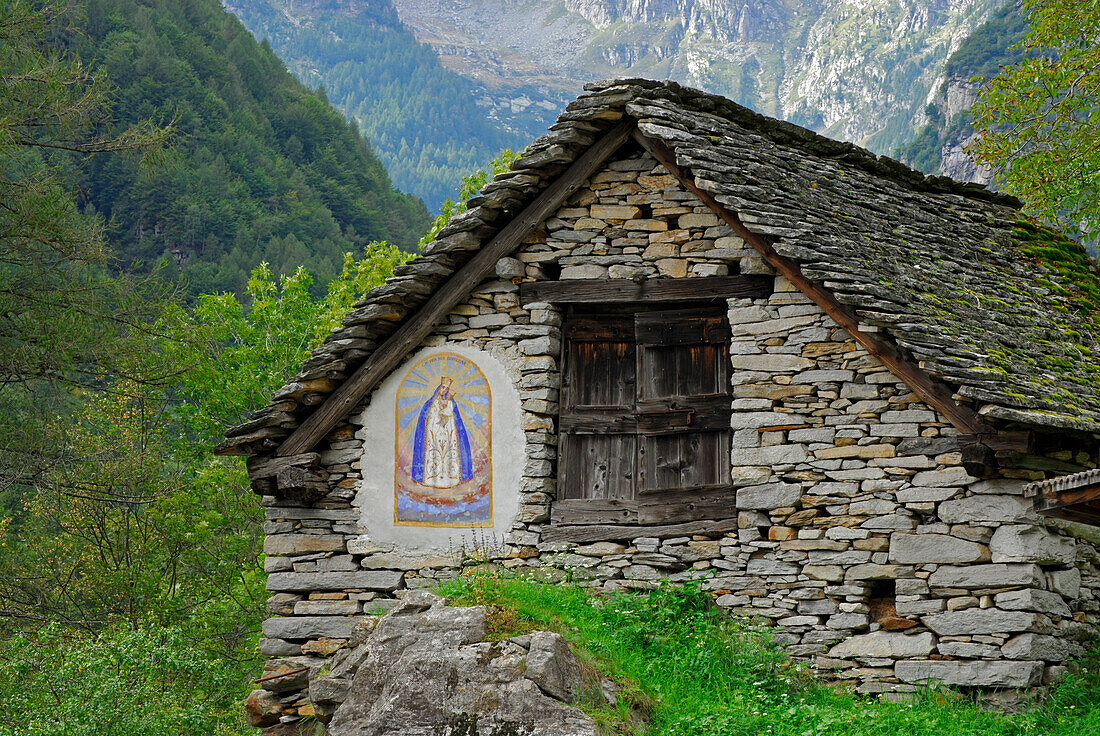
(145, 682)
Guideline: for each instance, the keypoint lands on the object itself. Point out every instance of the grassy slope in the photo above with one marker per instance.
(690, 671)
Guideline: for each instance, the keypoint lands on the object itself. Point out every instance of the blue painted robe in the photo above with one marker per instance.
(465, 458)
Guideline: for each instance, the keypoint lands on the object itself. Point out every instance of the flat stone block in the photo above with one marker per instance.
(765, 456)
(769, 362)
(909, 415)
(970, 674)
(490, 320)
(771, 567)
(847, 621)
(272, 513)
(1030, 543)
(891, 522)
(871, 571)
(768, 496)
(326, 608)
(1066, 582)
(891, 644)
(824, 572)
(1031, 599)
(985, 508)
(922, 549)
(310, 627)
(822, 376)
(278, 648)
(981, 621)
(1036, 646)
(987, 576)
(587, 271)
(319, 581)
(301, 544)
(968, 650)
(703, 219)
(949, 477)
(614, 212)
(922, 494)
(856, 451)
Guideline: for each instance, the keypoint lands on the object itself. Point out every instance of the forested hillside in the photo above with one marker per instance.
(422, 119)
(938, 146)
(262, 169)
(130, 594)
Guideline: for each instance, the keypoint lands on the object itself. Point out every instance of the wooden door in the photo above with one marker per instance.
(683, 405)
(597, 423)
(644, 424)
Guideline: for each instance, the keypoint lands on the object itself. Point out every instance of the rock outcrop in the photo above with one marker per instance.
(427, 669)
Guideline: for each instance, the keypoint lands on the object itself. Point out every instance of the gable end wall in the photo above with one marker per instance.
(854, 528)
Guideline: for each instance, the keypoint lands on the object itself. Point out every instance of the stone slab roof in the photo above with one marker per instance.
(996, 308)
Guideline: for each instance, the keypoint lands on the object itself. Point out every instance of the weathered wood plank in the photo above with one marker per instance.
(301, 478)
(598, 465)
(934, 393)
(614, 533)
(417, 326)
(571, 512)
(269, 467)
(600, 329)
(1061, 499)
(695, 504)
(1022, 441)
(601, 291)
(597, 421)
(680, 327)
(684, 404)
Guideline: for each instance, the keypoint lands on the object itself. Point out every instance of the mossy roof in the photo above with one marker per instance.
(1002, 311)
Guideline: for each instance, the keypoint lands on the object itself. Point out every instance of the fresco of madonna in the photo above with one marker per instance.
(443, 474)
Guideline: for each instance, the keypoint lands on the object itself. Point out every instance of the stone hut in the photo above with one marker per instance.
(677, 340)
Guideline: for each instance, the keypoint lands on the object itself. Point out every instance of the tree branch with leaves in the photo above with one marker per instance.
(1038, 122)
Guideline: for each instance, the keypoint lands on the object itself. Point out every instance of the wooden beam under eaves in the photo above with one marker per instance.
(934, 393)
(419, 325)
(1066, 503)
(650, 291)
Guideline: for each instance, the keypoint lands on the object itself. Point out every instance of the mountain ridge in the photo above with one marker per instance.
(263, 169)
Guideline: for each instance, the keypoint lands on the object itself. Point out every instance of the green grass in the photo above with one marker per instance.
(686, 669)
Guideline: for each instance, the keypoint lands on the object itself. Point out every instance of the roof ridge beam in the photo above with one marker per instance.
(417, 326)
(933, 392)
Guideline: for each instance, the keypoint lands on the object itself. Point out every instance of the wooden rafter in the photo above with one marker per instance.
(419, 325)
(934, 393)
(649, 291)
(1052, 500)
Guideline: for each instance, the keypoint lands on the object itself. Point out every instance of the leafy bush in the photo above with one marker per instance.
(142, 682)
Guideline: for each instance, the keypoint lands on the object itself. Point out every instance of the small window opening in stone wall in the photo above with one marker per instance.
(883, 604)
(549, 271)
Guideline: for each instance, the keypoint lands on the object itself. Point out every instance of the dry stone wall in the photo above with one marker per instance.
(855, 529)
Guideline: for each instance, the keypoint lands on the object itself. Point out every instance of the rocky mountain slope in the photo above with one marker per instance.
(439, 86)
(860, 70)
(428, 125)
(939, 147)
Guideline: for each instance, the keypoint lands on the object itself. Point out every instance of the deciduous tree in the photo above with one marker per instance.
(1038, 121)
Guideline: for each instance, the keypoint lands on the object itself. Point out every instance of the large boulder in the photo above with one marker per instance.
(426, 670)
